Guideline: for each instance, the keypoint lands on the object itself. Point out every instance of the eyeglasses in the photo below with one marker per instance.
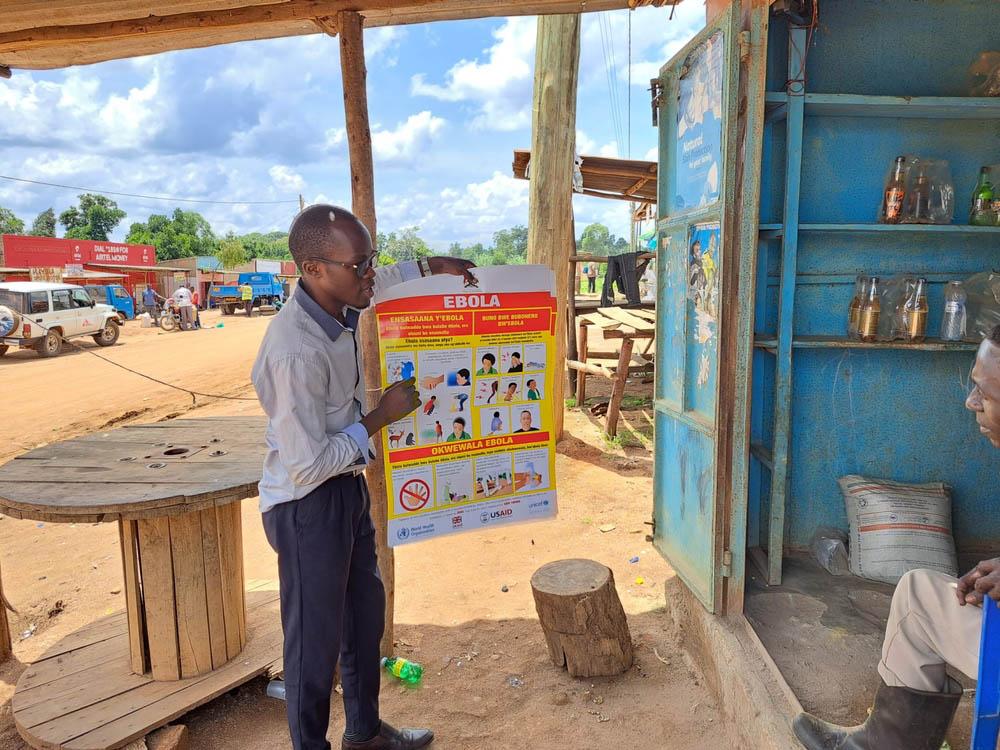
(359, 268)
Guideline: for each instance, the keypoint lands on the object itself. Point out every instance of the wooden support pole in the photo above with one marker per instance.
(553, 148)
(359, 141)
(6, 647)
(571, 269)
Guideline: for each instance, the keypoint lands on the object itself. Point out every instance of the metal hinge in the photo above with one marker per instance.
(656, 94)
(727, 564)
(744, 40)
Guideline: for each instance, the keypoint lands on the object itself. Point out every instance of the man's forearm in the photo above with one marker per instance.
(374, 421)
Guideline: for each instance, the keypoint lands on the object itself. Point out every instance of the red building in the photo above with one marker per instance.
(133, 266)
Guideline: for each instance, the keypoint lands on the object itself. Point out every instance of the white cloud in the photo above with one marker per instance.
(408, 139)
(500, 85)
(286, 178)
(335, 138)
(135, 119)
(653, 154)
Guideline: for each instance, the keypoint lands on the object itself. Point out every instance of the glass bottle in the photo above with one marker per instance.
(854, 309)
(982, 212)
(916, 312)
(918, 202)
(895, 191)
(870, 310)
(953, 320)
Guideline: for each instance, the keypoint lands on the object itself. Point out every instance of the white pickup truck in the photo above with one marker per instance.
(39, 316)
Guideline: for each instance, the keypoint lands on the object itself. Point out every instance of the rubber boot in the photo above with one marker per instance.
(902, 719)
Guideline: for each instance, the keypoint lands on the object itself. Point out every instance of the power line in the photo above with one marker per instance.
(147, 197)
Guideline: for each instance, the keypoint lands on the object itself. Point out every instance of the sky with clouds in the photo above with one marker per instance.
(264, 121)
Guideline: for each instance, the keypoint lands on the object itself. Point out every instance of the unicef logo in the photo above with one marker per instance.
(403, 533)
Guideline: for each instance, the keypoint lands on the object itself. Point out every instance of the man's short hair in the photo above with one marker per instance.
(459, 420)
(317, 231)
(464, 373)
(515, 354)
(489, 358)
(531, 381)
(525, 412)
(995, 335)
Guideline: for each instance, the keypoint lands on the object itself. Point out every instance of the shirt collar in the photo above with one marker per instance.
(330, 325)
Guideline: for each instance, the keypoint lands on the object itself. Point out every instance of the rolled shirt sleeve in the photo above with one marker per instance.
(290, 389)
(397, 273)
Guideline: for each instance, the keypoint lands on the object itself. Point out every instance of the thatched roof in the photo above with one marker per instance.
(38, 34)
(621, 179)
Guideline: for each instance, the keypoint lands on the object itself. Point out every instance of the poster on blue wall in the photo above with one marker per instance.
(704, 244)
(698, 157)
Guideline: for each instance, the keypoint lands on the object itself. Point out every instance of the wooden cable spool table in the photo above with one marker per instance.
(174, 488)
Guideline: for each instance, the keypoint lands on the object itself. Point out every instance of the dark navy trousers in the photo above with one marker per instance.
(332, 605)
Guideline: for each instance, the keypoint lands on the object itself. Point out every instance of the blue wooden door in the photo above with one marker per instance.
(697, 117)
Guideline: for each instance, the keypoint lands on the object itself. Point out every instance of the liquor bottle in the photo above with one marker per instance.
(916, 312)
(918, 202)
(870, 310)
(895, 191)
(982, 212)
(854, 309)
(953, 320)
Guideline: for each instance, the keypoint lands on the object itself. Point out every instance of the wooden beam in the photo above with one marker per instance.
(327, 24)
(637, 186)
(553, 148)
(359, 142)
(464, 9)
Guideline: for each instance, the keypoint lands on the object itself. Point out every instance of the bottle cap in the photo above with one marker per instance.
(383, 661)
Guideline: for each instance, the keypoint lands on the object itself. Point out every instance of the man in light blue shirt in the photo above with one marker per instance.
(313, 497)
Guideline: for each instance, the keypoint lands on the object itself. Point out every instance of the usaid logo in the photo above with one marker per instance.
(403, 533)
(502, 513)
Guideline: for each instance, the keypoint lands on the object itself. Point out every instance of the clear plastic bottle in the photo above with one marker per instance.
(954, 320)
(916, 312)
(407, 671)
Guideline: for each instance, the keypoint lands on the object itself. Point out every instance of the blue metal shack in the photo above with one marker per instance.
(777, 127)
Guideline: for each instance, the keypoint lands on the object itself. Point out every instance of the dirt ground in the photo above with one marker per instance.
(451, 613)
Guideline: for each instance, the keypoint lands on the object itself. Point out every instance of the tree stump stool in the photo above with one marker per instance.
(582, 618)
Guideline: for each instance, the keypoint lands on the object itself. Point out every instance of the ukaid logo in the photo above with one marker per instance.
(456, 522)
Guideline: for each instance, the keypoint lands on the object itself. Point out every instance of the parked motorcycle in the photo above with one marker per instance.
(170, 316)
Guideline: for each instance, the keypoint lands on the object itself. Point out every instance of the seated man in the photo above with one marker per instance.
(934, 621)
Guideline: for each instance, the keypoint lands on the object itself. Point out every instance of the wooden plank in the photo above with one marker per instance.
(128, 538)
(618, 389)
(190, 477)
(107, 706)
(190, 597)
(213, 586)
(43, 674)
(590, 369)
(156, 567)
(623, 316)
(600, 320)
(231, 562)
(109, 627)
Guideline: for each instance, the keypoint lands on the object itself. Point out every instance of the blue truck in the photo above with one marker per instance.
(267, 292)
(115, 295)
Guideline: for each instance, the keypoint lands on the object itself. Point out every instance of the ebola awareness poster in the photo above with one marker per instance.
(479, 451)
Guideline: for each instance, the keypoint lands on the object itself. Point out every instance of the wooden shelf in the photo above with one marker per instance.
(842, 342)
(914, 107)
(771, 231)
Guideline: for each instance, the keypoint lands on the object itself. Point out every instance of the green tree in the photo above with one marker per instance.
(94, 219)
(44, 224)
(405, 244)
(273, 245)
(510, 247)
(181, 235)
(9, 223)
(231, 252)
(595, 240)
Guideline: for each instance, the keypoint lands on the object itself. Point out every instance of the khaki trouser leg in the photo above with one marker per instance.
(928, 629)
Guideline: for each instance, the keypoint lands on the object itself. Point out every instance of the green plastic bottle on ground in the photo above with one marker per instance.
(407, 671)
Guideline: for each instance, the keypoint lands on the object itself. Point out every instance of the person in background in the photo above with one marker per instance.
(526, 422)
(515, 363)
(314, 501)
(151, 302)
(438, 431)
(195, 301)
(592, 278)
(496, 425)
(182, 300)
(246, 296)
(935, 622)
(488, 368)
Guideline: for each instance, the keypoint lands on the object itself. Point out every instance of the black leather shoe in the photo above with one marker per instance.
(393, 739)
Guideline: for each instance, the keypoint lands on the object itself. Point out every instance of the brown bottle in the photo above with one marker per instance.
(870, 310)
(854, 309)
(916, 312)
(895, 192)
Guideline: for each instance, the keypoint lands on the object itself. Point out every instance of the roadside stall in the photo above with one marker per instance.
(803, 145)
